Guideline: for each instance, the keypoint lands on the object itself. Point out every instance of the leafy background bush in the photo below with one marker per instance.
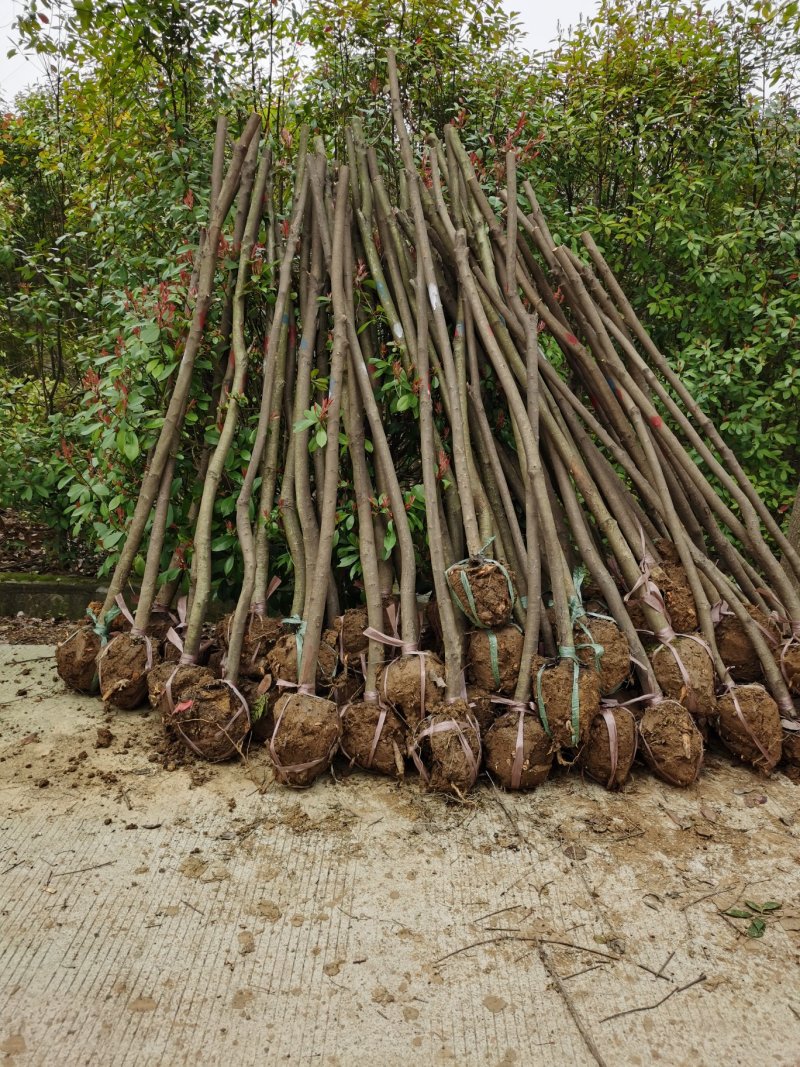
(669, 131)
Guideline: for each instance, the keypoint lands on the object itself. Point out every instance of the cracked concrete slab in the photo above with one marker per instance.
(207, 915)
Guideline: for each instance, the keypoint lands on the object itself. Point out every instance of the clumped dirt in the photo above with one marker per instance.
(211, 721)
(349, 630)
(500, 751)
(122, 668)
(698, 697)
(76, 660)
(497, 674)
(347, 687)
(306, 736)
(480, 701)
(282, 660)
(671, 579)
(183, 682)
(615, 661)
(671, 744)
(360, 724)
(791, 751)
(444, 751)
(260, 636)
(557, 688)
(490, 593)
(736, 648)
(788, 659)
(400, 684)
(605, 761)
(761, 726)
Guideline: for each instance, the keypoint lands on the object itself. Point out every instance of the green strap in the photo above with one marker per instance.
(540, 702)
(493, 656)
(101, 628)
(471, 610)
(299, 635)
(571, 653)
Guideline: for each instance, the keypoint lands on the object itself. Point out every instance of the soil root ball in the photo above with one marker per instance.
(401, 683)
(481, 706)
(117, 625)
(169, 684)
(610, 749)
(749, 724)
(554, 687)
(447, 749)
(518, 758)
(671, 744)
(347, 688)
(212, 720)
(123, 666)
(737, 650)
(494, 657)
(349, 629)
(671, 579)
(484, 589)
(788, 659)
(791, 754)
(261, 632)
(614, 664)
(305, 738)
(685, 672)
(282, 660)
(374, 737)
(76, 660)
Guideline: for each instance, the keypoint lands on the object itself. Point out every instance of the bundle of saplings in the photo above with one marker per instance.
(554, 559)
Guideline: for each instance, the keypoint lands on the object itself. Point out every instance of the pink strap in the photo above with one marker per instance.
(445, 726)
(282, 771)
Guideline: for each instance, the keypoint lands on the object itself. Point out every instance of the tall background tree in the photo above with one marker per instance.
(670, 131)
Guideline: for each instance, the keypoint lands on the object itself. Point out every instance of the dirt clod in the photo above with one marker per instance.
(605, 760)
(76, 660)
(400, 683)
(494, 658)
(615, 660)
(382, 752)
(307, 733)
(448, 744)
(122, 667)
(488, 583)
(671, 744)
(749, 725)
(501, 751)
(696, 690)
(557, 691)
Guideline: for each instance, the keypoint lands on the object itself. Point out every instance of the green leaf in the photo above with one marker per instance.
(737, 913)
(150, 333)
(321, 437)
(756, 928)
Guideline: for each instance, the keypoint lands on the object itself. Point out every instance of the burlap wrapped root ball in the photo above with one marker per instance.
(610, 748)
(306, 735)
(76, 660)
(282, 660)
(555, 685)
(484, 589)
(736, 648)
(518, 754)
(401, 681)
(494, 657)
(670, 743)
(208, 715)
(374, 737)
(447, 749)
(749, 725)
(612, 656)
(696, 690)
(122, 668)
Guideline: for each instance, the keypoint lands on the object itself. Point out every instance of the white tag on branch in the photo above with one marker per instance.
(433, 294)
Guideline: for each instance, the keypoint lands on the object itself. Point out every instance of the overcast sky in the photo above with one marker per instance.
(541, 17)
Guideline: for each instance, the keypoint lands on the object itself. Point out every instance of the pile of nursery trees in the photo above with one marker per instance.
(604, 577)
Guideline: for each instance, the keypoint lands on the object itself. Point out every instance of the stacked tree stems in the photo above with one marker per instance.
(594, 580)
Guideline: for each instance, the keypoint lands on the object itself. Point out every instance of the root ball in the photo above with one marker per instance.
(752, 731)
(671, 744)
(305, 738)
(494, 657)
(518, 760)
(374, 737)
(491, 594)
